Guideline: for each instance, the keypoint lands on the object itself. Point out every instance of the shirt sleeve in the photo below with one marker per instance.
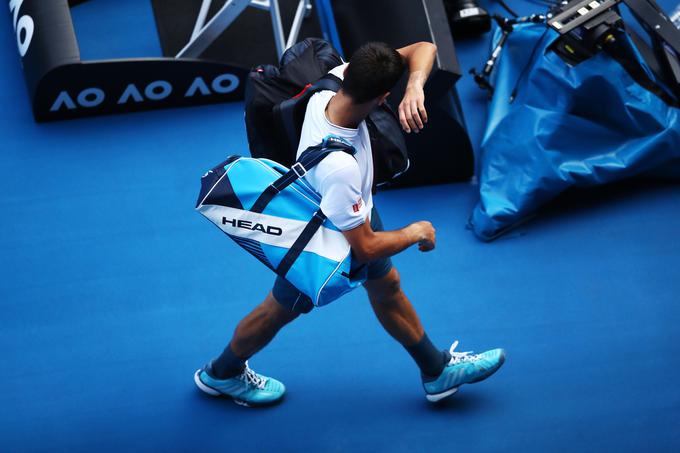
(341, 198)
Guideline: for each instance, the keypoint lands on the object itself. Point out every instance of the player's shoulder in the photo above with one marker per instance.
(338, 165)
(341, 159)
(320, 99)
(317, 103)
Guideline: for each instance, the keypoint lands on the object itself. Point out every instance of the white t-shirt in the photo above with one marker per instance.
(344, 182)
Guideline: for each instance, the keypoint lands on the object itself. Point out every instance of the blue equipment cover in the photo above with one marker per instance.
(272, 213)
(578, 126)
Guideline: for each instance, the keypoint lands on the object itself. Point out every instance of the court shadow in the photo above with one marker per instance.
(580, 200)
(466, 402)
(463, 402)
(604, 200)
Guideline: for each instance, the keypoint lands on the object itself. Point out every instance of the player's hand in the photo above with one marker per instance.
(412, 113)
(424, 235)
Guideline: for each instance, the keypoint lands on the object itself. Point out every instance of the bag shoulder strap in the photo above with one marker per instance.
(327, 82)
(300, 243)
(308, 160)
(285, 111)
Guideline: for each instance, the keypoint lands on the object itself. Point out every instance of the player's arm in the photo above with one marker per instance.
(419, 59)
(368, 245)
(341, 202)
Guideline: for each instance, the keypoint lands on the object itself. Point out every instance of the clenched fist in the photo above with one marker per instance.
(423, 235)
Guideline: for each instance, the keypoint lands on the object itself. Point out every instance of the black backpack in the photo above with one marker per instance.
(276, 101)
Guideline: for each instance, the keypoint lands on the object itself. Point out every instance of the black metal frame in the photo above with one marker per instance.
(596, 17)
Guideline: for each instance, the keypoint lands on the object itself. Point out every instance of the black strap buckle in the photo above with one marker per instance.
(299, 169)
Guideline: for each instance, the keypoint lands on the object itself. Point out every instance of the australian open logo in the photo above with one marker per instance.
(23, 26)
(134, 93)
(247, 225)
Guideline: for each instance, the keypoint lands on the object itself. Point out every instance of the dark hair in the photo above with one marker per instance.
(373, 70)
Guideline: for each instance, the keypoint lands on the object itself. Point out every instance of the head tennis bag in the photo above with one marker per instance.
(273, 214)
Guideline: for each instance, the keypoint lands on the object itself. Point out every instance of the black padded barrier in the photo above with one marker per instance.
(61, 86)
(442, 152)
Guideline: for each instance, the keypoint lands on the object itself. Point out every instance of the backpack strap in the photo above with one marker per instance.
(286, 110)
(308, 160)
(328, 82)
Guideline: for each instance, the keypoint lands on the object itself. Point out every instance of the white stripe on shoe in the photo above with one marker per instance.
(434, 397)
(204, 388)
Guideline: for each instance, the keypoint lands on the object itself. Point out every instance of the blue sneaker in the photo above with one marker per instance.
(246, 389)
(463, 368)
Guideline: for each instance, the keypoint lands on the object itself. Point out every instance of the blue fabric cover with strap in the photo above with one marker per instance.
(567, 127)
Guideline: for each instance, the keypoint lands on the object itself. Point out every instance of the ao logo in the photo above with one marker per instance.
(154, 91)
(23, 26)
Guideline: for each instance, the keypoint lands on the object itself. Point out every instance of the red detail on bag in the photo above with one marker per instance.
(303, 91)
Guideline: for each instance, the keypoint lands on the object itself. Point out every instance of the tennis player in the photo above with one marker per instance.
(345, 183)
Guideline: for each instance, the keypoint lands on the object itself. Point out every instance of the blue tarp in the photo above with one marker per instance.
(578, 126)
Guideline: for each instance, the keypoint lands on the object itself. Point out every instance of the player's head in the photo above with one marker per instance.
(372, 72)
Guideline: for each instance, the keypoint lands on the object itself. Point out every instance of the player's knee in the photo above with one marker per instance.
(282, 316)
(279, 313)
(389, 285)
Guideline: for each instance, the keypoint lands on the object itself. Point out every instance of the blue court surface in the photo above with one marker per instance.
(113, 292)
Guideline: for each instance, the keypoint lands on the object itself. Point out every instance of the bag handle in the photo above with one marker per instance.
(308, 160)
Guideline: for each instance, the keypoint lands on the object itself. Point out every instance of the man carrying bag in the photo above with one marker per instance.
(345, 183)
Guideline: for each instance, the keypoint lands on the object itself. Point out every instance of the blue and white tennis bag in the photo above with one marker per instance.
(271, 212)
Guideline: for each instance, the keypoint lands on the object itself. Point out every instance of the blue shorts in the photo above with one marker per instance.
(289, 296)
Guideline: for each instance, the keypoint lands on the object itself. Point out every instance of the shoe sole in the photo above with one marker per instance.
(434, 397)
(212, 392)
